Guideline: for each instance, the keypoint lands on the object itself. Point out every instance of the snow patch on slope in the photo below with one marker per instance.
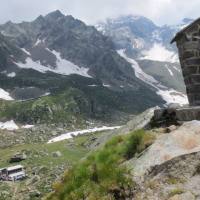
(5, 95)
(27, 126)
(169, 70)
(177, 69)
(39, 41)
(25, 51)
(30, 64)
(173, 96)
(75, 133)
(106, 85)
(138, 43)
(168, 95)
(159, 53)
(64, 67)
(139, 73)
(11, 75)
(9, 125)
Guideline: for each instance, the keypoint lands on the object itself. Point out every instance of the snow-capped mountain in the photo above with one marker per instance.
(63, 45)
(73, 67)
(140, 41)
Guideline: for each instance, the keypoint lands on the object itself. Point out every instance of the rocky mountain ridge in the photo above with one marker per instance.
(55, 54)
(49, 40)
(147, 47)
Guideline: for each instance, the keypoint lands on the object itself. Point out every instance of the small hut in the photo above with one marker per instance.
(188, 43)
(13, 173)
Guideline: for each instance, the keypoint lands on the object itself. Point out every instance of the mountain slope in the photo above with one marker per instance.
(56, 53)
(55, 41)
(148, 46)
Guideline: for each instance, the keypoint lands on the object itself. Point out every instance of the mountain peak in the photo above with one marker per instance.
(187, 20)
(131, 20)
(131, 17)
(55, 14)
(9, 22)
(39, 19)
(124, 18)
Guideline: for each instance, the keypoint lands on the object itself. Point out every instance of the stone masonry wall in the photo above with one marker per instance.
(189, 54)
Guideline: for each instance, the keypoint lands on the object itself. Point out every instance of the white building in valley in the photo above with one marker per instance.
(13, 173)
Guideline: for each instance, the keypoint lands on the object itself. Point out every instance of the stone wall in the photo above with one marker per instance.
(189, 53)
(174, 116)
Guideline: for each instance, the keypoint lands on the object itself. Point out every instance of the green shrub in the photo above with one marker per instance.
(101, 175)
(133, 144)
(175, 192)
(62, 107)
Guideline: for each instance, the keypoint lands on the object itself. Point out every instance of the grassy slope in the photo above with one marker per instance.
(72, 154)
(74, 93)
(101, 174)
(56, 108)
(42, 165)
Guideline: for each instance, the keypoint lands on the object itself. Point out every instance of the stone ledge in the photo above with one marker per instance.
(169, 116)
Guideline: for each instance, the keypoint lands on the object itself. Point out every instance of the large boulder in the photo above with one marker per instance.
(175, 179)
(56, 154)
(17, 158)
(183, 140)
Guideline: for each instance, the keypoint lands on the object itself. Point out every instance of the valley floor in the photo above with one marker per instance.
(157, 164)
(45, 162)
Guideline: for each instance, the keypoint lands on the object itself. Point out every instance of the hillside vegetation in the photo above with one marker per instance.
(102, 175)
(63, 107)
(71, 100)
(44, 163)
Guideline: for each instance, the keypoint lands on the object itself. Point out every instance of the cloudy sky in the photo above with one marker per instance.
(91, 11)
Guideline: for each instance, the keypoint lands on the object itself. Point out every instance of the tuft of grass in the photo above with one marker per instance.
(176, 191)
(100, 175)
(137, 142)
(174, 181)
(152, 184)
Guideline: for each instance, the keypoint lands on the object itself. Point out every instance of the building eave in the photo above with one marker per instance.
(181, 32)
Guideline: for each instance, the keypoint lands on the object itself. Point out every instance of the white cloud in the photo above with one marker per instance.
(91, 11)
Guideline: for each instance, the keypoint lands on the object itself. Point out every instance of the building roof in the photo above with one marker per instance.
(22, 173)
(14, 167)
(1, 169)
(179, 34)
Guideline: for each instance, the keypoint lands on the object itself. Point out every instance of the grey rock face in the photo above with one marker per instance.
(50, 39)
(137, 35)
(177, 179)
(175, 115)
(83, 45)
(74, 41)
(181, 141)
(57, 154)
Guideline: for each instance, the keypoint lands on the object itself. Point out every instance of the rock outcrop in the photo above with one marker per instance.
(176, 179)
(184, 140)
(170, 168)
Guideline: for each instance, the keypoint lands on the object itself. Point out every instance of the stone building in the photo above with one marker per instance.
(188, 43)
